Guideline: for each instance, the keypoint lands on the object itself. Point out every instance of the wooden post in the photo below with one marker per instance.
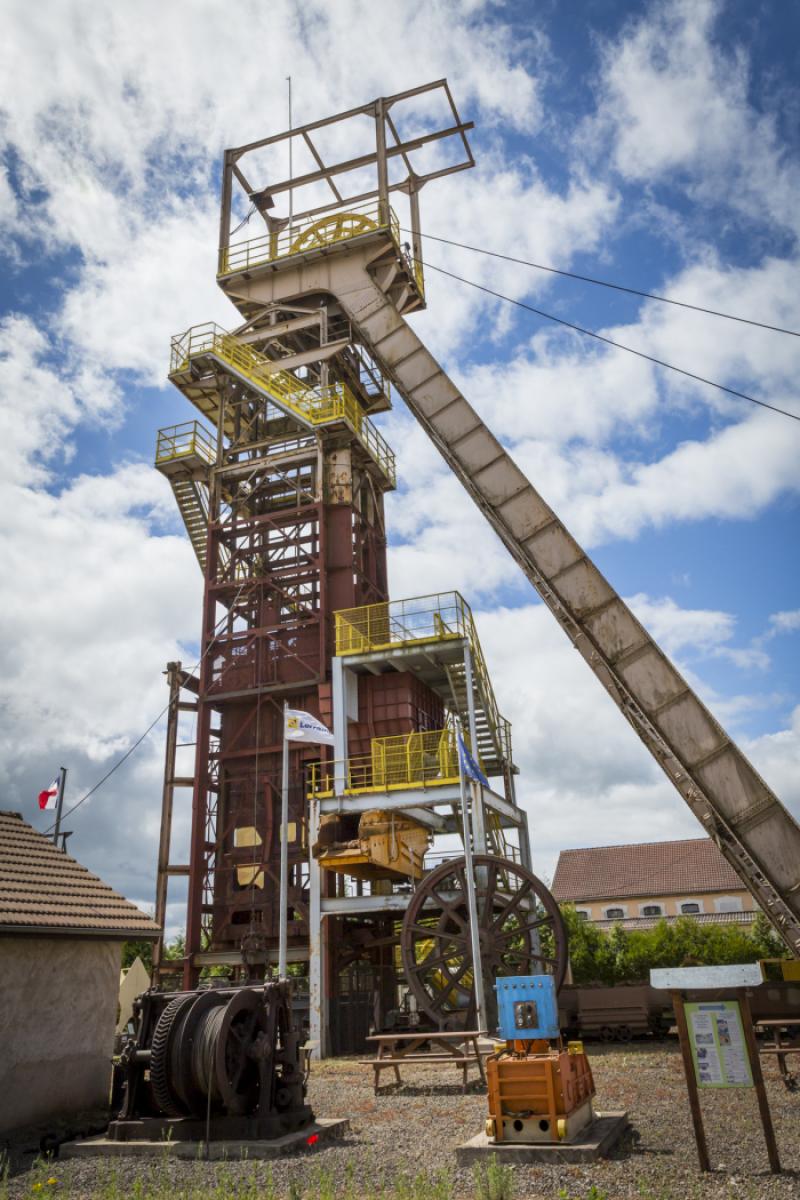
(691, 1081)
(758, 1083)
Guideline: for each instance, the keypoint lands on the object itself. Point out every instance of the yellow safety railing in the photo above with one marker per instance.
(181, 441)
(316, 406)
(439, 617)
(310, 233)
(407, 760)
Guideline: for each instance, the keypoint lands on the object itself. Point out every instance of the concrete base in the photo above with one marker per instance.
(325, 1130)
(594, 1141)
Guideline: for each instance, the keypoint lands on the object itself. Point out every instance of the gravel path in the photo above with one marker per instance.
(416, 1129)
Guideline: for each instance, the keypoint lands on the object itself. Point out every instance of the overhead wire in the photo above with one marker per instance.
(606, 283)
(610, 342)
(244, 221)
(150, 727)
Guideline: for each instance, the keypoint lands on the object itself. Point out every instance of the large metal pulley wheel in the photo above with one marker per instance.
(334, 228)
(521, 932)
(206, 1048)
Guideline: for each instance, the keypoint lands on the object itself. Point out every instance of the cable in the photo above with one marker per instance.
(150, 727)
(244, 221)
(618, 287)
(617, 345)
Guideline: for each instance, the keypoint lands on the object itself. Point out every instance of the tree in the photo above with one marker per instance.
(137, 949)
(628, 956)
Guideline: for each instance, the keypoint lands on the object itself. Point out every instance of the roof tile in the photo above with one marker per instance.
(41, 887)
(643, 869)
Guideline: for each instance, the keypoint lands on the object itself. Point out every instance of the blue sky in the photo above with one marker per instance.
(653, 144)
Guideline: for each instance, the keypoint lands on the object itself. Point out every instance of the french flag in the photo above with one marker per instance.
(47, 798)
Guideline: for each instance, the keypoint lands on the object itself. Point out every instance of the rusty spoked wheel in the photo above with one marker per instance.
(520, 927)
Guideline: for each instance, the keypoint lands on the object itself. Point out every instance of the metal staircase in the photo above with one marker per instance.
(429, 624)
(205, 352)
(184, 455)
(493, 730)
(192, 500)
(738, 810)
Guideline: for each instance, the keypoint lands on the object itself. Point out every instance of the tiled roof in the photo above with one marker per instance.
(44, 889)
(644, 869)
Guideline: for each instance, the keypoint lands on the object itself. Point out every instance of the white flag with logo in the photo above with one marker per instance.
(302, 727)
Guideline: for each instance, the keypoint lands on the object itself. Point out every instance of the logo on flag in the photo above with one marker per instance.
(48, 798)
(468, 765)
(302, 727)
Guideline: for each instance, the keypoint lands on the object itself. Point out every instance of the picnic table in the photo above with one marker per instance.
(460, 1049)
(780, 1048)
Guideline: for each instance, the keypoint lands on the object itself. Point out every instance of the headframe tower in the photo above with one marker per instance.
(283, 500)
(282, 492)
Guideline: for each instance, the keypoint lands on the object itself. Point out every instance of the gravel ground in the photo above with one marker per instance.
(416, 1128)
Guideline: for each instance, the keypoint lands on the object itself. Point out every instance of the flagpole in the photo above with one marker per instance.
(284, 894)
(62, 781)
(472, 905)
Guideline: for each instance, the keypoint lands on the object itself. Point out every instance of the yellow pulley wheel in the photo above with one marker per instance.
(335, 228)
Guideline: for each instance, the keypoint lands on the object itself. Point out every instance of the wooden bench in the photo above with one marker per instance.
(457, 1049)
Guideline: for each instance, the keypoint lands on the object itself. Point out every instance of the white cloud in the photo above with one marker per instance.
(97, 599)
(735, 473)
(702, 632)
(784, 622)
(585, 777)
(674, 105)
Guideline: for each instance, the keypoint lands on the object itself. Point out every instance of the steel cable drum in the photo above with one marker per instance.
(208, 1047)
(521, 932)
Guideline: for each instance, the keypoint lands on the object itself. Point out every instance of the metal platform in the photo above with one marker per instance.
(596, 1141)
(322, 1130)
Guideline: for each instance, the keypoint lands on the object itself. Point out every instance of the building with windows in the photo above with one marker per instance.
(640, 884)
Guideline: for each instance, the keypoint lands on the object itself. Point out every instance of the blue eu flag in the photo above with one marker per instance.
(468, 765)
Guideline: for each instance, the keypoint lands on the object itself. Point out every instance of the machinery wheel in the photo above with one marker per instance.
(193, 1052)
(334, 228)
(160, 1056)
(624, 1033)
(239, 1043)
(520, 927)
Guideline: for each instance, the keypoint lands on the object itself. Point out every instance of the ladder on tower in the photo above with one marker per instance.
(492, 730)
(192, 501)
(184, 455)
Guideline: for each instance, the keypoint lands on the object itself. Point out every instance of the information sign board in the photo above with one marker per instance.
(719, 1050)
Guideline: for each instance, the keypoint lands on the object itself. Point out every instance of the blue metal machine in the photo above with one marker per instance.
(527, 1008)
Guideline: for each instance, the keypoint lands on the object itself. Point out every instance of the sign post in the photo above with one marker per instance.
(718, 1042)
(691, 1082)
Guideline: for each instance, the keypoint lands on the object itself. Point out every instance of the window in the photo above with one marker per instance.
(690, 907)
(582, 914)
(728, 904)
(652, 910)
(615, 914)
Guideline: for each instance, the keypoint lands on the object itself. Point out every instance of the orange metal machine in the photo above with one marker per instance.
(540, 1090)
